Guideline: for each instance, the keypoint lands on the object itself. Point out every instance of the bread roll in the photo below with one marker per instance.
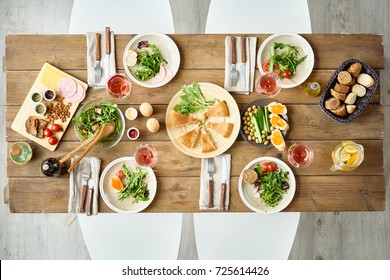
(341, 88)
(338, 95)
(365, 80)
(345, 78)
(355, 69)
(351, 108)
(351, 98)
(359, 90)
(332, 103)
(340, 111)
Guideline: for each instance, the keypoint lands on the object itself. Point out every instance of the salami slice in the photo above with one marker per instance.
(67, 87)
(160, 76)
(79, 95)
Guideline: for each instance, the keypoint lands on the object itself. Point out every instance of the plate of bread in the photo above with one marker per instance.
(349, 91)
(208, 132)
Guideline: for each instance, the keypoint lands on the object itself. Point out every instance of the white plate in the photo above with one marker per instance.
(303, 70)
(168, 50)
(255, 203)
(110, 195)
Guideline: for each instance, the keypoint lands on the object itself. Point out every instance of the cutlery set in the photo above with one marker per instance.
(234, 74)
(224, 178)
(88, 186)
(98, 68)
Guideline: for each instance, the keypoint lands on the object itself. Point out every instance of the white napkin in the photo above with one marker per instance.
(250, 65)
(91, 58)
(76, 184)
(204, 183)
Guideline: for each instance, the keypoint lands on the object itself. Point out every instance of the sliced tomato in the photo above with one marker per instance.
(121, 174)
(265, 65)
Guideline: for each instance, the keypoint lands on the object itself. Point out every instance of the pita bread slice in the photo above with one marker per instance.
(207, 142)
(225, 129)
(178, 119)
(219, 109)
(188, 139)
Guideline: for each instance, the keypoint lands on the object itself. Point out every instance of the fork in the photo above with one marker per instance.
(234, 72)
(211, 171)
(98, 69)
(86, 173)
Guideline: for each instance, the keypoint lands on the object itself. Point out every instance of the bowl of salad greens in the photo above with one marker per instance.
(289, 55)
(92, 116)
(151, 60)
(271, 187)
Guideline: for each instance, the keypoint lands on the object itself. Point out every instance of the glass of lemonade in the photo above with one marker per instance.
(347, 156)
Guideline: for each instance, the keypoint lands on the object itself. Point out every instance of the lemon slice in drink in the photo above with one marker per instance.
(353, 160)
(131, 58)
(349, 148)
(344, 155)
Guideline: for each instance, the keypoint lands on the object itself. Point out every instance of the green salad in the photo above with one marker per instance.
(149, 61)
(136, 184)
(89, 121)
(271, 184)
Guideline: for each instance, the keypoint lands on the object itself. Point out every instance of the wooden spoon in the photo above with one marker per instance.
(106, 130)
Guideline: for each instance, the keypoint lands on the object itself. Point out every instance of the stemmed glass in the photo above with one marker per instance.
(145, 155)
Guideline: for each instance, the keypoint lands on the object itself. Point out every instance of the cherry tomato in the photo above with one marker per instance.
(264, 167)
(271, 167)
(56, 127)
(53, 140)
(286, 74)
(47, 132)
(121, 174)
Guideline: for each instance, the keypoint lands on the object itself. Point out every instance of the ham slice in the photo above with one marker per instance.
(79, 95)
(160, 76)
(67, 87)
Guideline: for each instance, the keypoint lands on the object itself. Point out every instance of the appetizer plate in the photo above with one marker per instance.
(361, 102)
(254, 203)
(262, 103)
(210, 91)
(110, 195)
(303, 70)
(168, 50)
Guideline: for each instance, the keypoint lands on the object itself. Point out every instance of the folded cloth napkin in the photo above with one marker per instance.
(204, 183)
(76, 183)
(91, 58)
(250, 65)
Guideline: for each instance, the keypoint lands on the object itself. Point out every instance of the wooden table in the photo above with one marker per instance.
(202, 60)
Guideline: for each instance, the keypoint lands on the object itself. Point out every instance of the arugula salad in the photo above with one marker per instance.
(136, 184)
(283, 62)
(193, 100)
(148, 61)
(271, 183)
(89, 121)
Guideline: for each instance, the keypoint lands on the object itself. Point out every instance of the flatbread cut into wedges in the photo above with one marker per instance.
(188, 139)
(219, 109)
(178, 119)
(225, 129)
(207, 142)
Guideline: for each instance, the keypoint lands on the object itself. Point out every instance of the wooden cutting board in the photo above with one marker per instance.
(47, 78)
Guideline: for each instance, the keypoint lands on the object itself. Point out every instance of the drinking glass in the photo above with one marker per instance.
(300, 155)
(145, 155)
(268, 84)
(347, 156)
(119, 86)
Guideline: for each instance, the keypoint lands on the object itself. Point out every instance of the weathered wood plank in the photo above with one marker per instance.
(17, 91)
(307, 122)
(320, 193)
(197, 51)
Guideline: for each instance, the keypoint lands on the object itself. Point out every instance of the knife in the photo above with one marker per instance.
(108, 51)
(91, 186)
(224, 179)
(243, 62)
(211, 171)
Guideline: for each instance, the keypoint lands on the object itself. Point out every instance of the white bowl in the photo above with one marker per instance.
(304, 69)
(168, 50)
